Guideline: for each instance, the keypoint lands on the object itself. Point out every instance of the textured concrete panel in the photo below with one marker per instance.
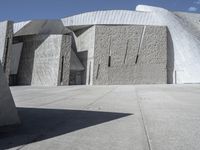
(40, 60)
(130, 55)
(8, 112)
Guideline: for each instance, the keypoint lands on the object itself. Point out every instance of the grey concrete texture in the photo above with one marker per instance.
(84, 41)
(64, 61)
(6, 31)
(41, 60)
(142, 117)
(8, 111)
(138, 55)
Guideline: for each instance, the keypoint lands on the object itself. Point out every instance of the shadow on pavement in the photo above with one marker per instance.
(40, 124)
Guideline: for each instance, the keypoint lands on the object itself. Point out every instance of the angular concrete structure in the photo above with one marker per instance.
(43, 58)
(148, 46)
(8, 112)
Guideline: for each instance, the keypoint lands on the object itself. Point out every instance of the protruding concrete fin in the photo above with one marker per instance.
(8, 111)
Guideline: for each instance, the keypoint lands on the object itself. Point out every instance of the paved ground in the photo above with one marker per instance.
(156, 117)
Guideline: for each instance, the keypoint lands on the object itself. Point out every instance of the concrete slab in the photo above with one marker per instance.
(153, 117)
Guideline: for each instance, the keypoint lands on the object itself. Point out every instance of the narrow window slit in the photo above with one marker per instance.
(62, 65)
(136, 60)
(109, 57)
(109, 61)
(89, 73)
(97, 75)
(126, 52)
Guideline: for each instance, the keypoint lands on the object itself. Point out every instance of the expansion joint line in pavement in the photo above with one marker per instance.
(61, 99)
(143, 119)
(86, 107)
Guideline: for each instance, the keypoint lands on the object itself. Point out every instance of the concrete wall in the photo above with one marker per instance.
(40, 60)
(8, 112)
(6, 32)
(138, 55)
(3, 32)
(85, 42)
(65, 54)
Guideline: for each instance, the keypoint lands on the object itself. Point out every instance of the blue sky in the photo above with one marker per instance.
(18, 10)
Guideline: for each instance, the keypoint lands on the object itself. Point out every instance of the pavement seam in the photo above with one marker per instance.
(43, 96)
(143, 120)
(58, 100)
(90, 104)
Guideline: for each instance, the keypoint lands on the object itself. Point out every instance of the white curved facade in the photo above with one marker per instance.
(186, 44)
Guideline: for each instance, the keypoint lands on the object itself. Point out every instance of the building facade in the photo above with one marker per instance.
(148, 46)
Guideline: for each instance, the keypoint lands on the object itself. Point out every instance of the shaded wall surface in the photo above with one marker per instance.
(6, 35)
(130, 55)
(40, 62)
(8, 112)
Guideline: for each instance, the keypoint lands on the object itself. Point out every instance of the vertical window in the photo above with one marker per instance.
(62, 65)
(136, 60)
(109, 58)
(109, 61)
(98, 71)
(89, 74)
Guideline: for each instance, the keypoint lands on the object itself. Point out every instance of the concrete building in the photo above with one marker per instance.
(148, 46)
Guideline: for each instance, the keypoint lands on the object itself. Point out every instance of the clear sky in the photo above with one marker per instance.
(18, 10)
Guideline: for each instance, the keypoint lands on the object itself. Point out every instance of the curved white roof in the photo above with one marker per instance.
(110, 17)
(186, 44)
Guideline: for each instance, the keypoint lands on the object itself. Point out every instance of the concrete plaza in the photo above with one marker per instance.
(141, 117)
